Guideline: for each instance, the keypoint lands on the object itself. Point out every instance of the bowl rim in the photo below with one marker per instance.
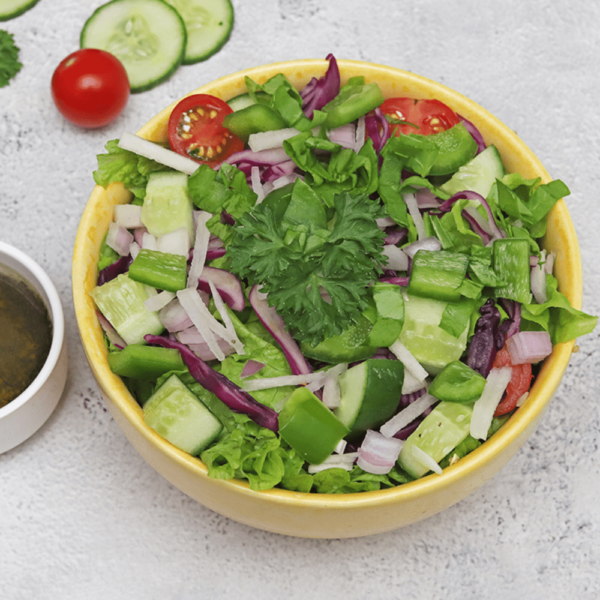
(539, 397)
(53, 304)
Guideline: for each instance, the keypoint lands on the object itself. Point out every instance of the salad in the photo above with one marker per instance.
(325, 290)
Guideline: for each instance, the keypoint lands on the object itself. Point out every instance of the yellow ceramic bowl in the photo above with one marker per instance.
(315, 515)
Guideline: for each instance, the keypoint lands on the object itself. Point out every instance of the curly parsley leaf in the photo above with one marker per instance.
(9, 58)
(317, 279)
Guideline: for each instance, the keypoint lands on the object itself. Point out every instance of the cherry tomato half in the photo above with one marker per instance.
(425, 117)
(90, 88)
(196, 130)
(518, 385)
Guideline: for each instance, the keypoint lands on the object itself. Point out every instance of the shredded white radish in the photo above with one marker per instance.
(270, 139)
(149, 242)
(134, 250)
(404, 355)
(128, 216)
(257, 187)
(200, 250)
(538, 283)
(119, 239)
(233, 339)
(411, 384)
(485, 406)
(408, 415)
(360, 134)
(549, 264)
(415, 213)
(272, 382)
(197, 312)
(522, 399)
(426, 460)
(159, 301)
(278, 183)
(397, 260)
(335, 461)
(331, 388)
(166, 157)
(341, 447)
(385, 222)
(430, 243)
(175, 242)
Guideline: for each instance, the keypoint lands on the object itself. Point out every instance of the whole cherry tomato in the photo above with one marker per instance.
(90, 88)
(196, 130)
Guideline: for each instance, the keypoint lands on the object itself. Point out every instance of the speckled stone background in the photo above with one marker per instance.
(83, 516)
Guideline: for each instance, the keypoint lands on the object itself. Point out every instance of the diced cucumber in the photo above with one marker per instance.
(177, 414)
(208, 24)
(370, 393)
(456, 148)
(121, 301)
(349, 346)
(147, 363)
(433, 347)
(9, 9)
(167, 205)
(147, 36)
(478, 175)
(446, 426)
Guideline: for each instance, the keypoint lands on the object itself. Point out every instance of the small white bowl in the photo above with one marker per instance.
(24, 415)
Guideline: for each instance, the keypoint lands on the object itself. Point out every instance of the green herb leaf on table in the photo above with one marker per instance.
(9, 58)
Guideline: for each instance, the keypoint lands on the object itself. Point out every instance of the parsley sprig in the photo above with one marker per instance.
(316, 279)
(9, 58)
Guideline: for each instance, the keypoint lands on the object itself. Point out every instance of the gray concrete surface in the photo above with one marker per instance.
(83, 516)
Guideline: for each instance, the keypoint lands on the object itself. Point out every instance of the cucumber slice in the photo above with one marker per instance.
(370, 393)
(446, 426)
(121, 301)
(147, 36)
(208, 24)
(177, 414)
(349, 346)
(167, 205)
(9, 9)
(478, 175)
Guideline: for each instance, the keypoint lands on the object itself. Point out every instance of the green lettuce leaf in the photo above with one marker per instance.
(556, 316)
(127, 167)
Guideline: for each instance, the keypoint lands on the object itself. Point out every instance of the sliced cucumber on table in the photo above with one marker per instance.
(9, 9)
(208, 24)
(148, 36)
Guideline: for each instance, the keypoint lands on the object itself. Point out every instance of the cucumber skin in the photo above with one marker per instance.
(24, 8)
(155, 82)
(192, 60)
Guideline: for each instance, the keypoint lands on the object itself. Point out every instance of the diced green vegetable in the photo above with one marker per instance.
(457, 382)
(438, 274)
(370, 394)
(253, 119)
(160, 270)
(352, 102)
(144, 362)
(121, 301)
(511, 263)
(179, 416)
(309, 427)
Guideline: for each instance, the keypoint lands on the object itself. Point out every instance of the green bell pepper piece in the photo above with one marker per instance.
(457, 382)
(144, 362)
(309, 427)
(352, 102)
(438, 274)
(159, 270)
(255, 118)
(511, 263)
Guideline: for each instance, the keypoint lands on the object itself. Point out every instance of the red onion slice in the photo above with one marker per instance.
(397, 260)
(227, 284)
(276, 327)
(111, 333)
(475, 134)
(119, 239)
(252, 367)
(529, 347)
(378, 454)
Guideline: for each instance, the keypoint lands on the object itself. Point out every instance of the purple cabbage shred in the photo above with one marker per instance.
(117, 268)
(319, 92)
(225, 390)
